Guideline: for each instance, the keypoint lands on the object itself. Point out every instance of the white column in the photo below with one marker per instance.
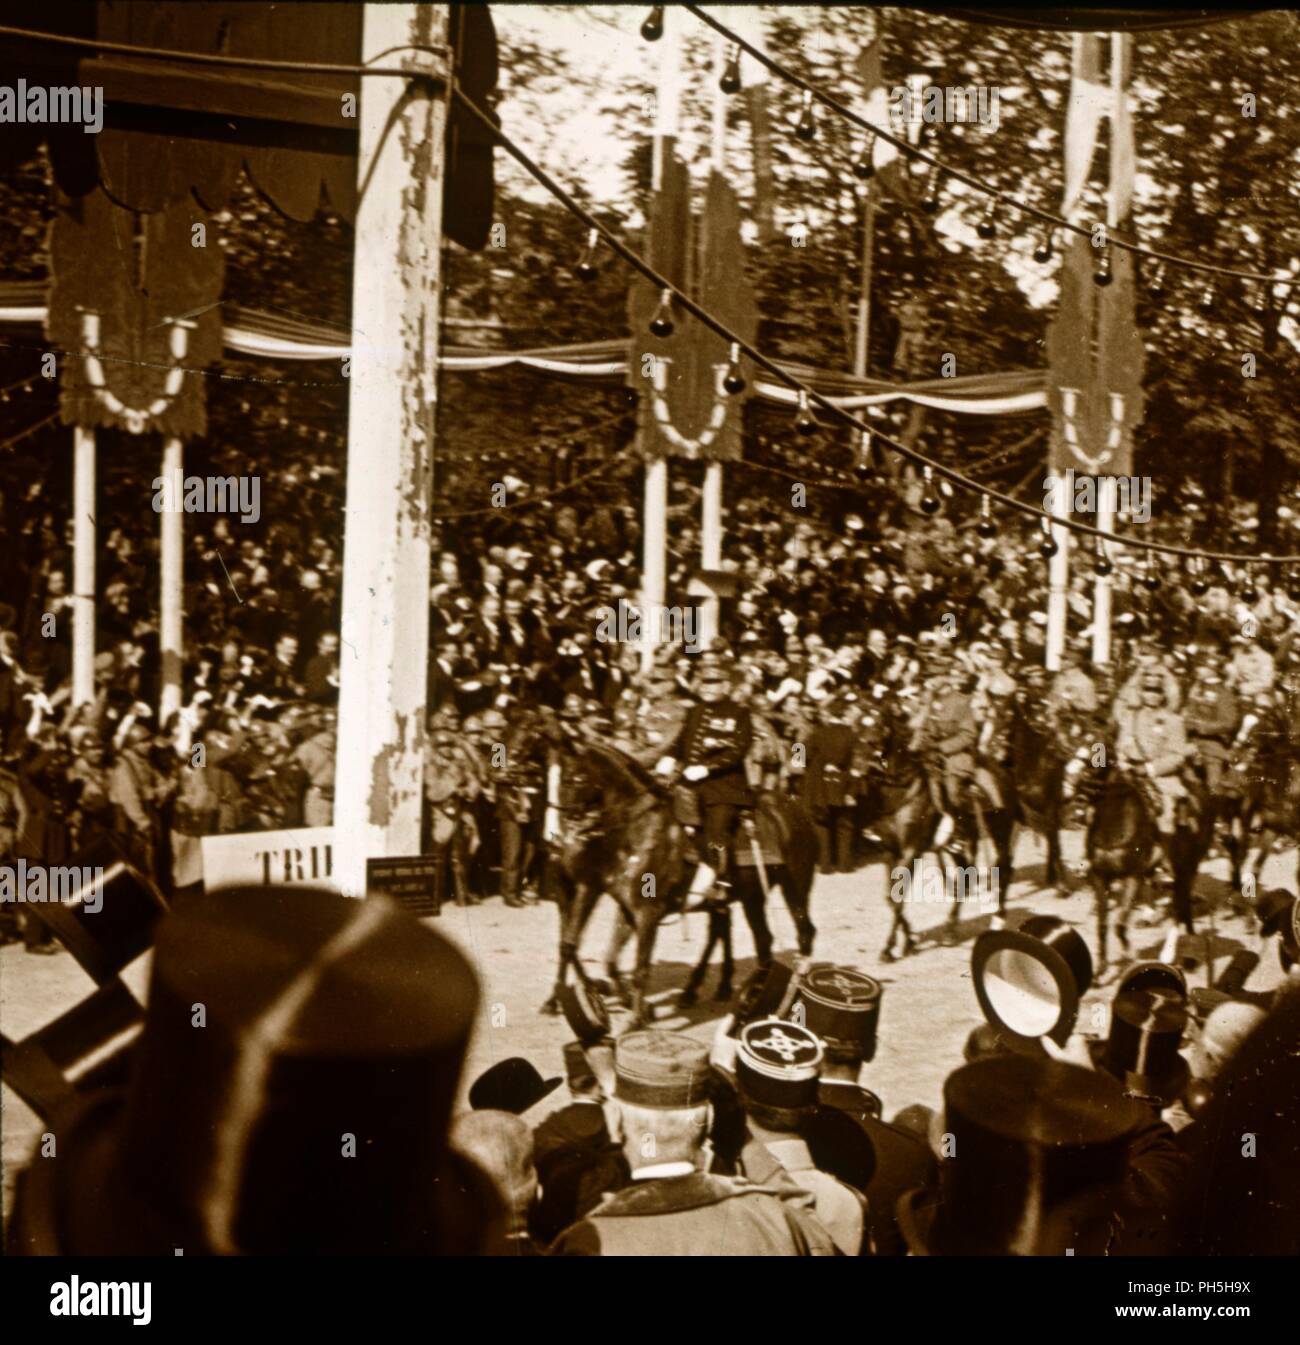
(1101, 593)
(378, 783)
(710, 546)
(1059, 579)
(654, 555)
(83, 565)
(170, 622)
(654, 529)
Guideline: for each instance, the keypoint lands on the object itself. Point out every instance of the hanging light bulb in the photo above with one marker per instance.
(929, 501)
(1102, 275)
(1293, 588)
(1043, 252)
(863, 167)
(930, 200)
(653, 28)
(863, 469)
(730, 81)
(1206, 304)
(987, 226)
(1047, 548)
(1101, 565)
(733, 382)
(1156, 289)
(586, 267)
(1249, 593)
(662, 324)
(806, 130)
(804, 423)
(1150, 576)
(986, 527)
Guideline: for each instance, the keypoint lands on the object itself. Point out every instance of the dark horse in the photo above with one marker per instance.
(1270, 804)
(1037, 757)
(1123, 844)
(899, 812)
(619, 835)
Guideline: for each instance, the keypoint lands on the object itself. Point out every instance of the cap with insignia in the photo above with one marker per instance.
(778, 1064)
(654, 1068)
(842, 1006)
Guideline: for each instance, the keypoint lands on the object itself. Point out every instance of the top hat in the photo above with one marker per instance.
(841, 1005)
(766, 993)
(778, 1064)
(585, 1011)
(666, 1070)
(512, 1085)
(1163, 976)
(1029, 979)
(290, 1093)
(1146, 1030)
(1040, 1148)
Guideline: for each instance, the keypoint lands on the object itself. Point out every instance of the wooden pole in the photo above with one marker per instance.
(396, 275)
(654, 523)
(83, 565)
(170, 622)
(1101, 598)
(711, 496)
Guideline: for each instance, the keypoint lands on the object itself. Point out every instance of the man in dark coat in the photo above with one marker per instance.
(672, 1207)
(827, 787)
(711, 751)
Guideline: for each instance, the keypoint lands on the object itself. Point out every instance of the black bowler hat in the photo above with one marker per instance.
(512, 1085)
(1141, 1052)
(289, 1094)
(1040, 1149)
(1029, 979)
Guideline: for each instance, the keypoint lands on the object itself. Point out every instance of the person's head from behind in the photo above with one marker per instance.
(662, 1084)
(500, 1144)
(778, 1066)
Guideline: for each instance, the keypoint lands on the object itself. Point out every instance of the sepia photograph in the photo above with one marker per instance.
(649, 630)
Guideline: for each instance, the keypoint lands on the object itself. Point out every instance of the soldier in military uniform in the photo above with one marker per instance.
(777, 1067)
(1211, 716)
(711, 750)
(661, 715)
(945, 738)
(827, 787)
(1155, 738)
(452, 784)
(673, 1206)
(842, 1006)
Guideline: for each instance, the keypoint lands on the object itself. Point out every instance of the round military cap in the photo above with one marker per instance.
(654, 1068)
(842, 1005)
(778, 1063)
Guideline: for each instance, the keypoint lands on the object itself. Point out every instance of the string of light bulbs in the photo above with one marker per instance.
(29, 431)
(544, 497)
(806, 130)
(661, 325)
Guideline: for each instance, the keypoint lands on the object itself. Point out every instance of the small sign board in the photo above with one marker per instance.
(300, 857)
(412, 882)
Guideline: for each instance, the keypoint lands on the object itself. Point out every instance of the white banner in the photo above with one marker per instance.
(302, 857)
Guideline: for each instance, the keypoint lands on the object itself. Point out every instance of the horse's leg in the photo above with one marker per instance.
(1129, 890)
(618, 938)
(690, 991)
(568, 894)
(647, 926)
(1101, 896)
(723, 992)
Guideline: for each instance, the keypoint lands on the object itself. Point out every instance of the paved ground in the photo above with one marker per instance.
(929, 1006)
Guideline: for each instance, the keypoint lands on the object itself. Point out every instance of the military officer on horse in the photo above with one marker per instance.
(709, 753)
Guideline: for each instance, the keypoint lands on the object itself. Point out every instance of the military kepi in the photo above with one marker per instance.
(842, 1006)
(661, 1069)
(778, 1064)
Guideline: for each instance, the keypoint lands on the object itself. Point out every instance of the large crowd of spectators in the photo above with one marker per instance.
(822, 602)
